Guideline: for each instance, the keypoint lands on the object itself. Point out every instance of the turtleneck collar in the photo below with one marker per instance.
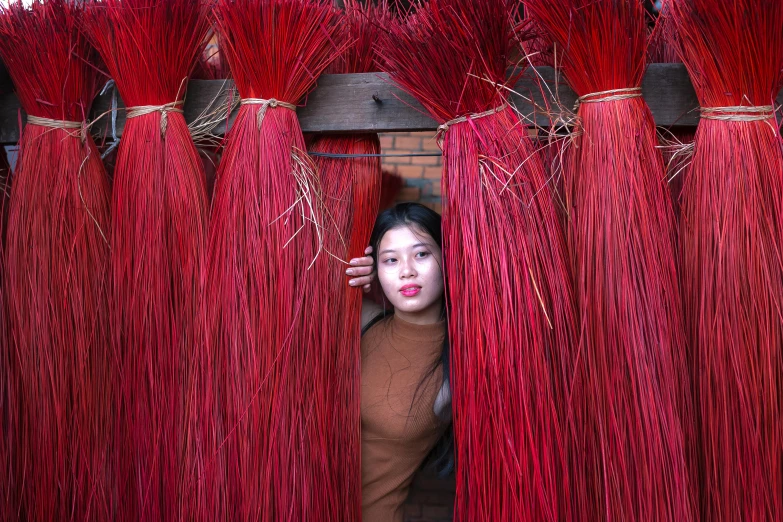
(420, 333)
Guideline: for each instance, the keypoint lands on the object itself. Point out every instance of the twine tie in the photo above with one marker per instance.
(609, 96)
(59, 124)
(442, 129)
(265, 104)
(739, 113)
(164, 110)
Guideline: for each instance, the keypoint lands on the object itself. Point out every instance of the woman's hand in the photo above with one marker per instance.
(361, 271)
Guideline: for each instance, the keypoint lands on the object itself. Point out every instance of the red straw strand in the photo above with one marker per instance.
(509, 299)
(159, 212)
(732, 242)
(351, 188)
(632, 412)
(365, 22)
(8, 495)
(268, 317)
(56, 275)
(351, 198)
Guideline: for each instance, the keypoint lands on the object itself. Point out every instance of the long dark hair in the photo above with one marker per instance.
(421, 219)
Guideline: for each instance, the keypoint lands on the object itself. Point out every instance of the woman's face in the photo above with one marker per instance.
(409, 270)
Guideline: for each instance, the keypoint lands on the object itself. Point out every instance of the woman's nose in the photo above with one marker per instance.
(407, 269)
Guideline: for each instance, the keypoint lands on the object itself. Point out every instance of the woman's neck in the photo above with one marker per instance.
(430, 315)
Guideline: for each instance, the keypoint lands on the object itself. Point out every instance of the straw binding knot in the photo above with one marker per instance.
(608, 96)
(442, 129)
(164, 110)
(265, 104)
(739, 113)
(59, 124)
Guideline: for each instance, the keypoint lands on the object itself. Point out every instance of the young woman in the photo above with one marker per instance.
(406, 403)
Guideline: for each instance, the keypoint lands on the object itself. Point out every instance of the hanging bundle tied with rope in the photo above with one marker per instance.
(56, 276)
(266, 302)
(158, 240)
(632, 409)
(732, 241)
(511, 320)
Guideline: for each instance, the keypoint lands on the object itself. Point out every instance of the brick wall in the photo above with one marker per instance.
(420, 174)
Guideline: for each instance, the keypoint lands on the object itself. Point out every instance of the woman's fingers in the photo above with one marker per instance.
(362, 271)
(362, 261)
(359, 271)
(361, 281)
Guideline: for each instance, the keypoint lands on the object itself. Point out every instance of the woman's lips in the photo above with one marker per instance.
(410, 290)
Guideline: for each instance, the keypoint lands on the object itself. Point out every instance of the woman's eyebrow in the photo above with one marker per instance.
(417, 245)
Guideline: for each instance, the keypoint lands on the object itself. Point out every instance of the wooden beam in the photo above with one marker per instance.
(9, 119)
(372, 103)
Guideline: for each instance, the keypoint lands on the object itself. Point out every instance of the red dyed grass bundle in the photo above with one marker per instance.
(158, 226)
(351, 192)
(732, 244)
(509, 299)
(632, 412)
(351, 189)
(7, 489)
(268, 319)
(56, 276)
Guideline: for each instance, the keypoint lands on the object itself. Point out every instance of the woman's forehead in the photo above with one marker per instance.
(405, 236)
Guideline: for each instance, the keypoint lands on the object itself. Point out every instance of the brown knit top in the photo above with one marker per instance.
(399, 425)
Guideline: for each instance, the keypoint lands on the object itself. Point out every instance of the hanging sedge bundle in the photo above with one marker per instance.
(732, 245)
(56, 276)
(7, 488)
(632, 413)
(352, 191)
(351, 197)
(509, 300)
(158, 241)
(268, 318)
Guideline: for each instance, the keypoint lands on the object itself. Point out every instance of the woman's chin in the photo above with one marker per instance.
(413, 305)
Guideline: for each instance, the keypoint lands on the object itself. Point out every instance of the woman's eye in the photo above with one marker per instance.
(389, 260)
(422, 255)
